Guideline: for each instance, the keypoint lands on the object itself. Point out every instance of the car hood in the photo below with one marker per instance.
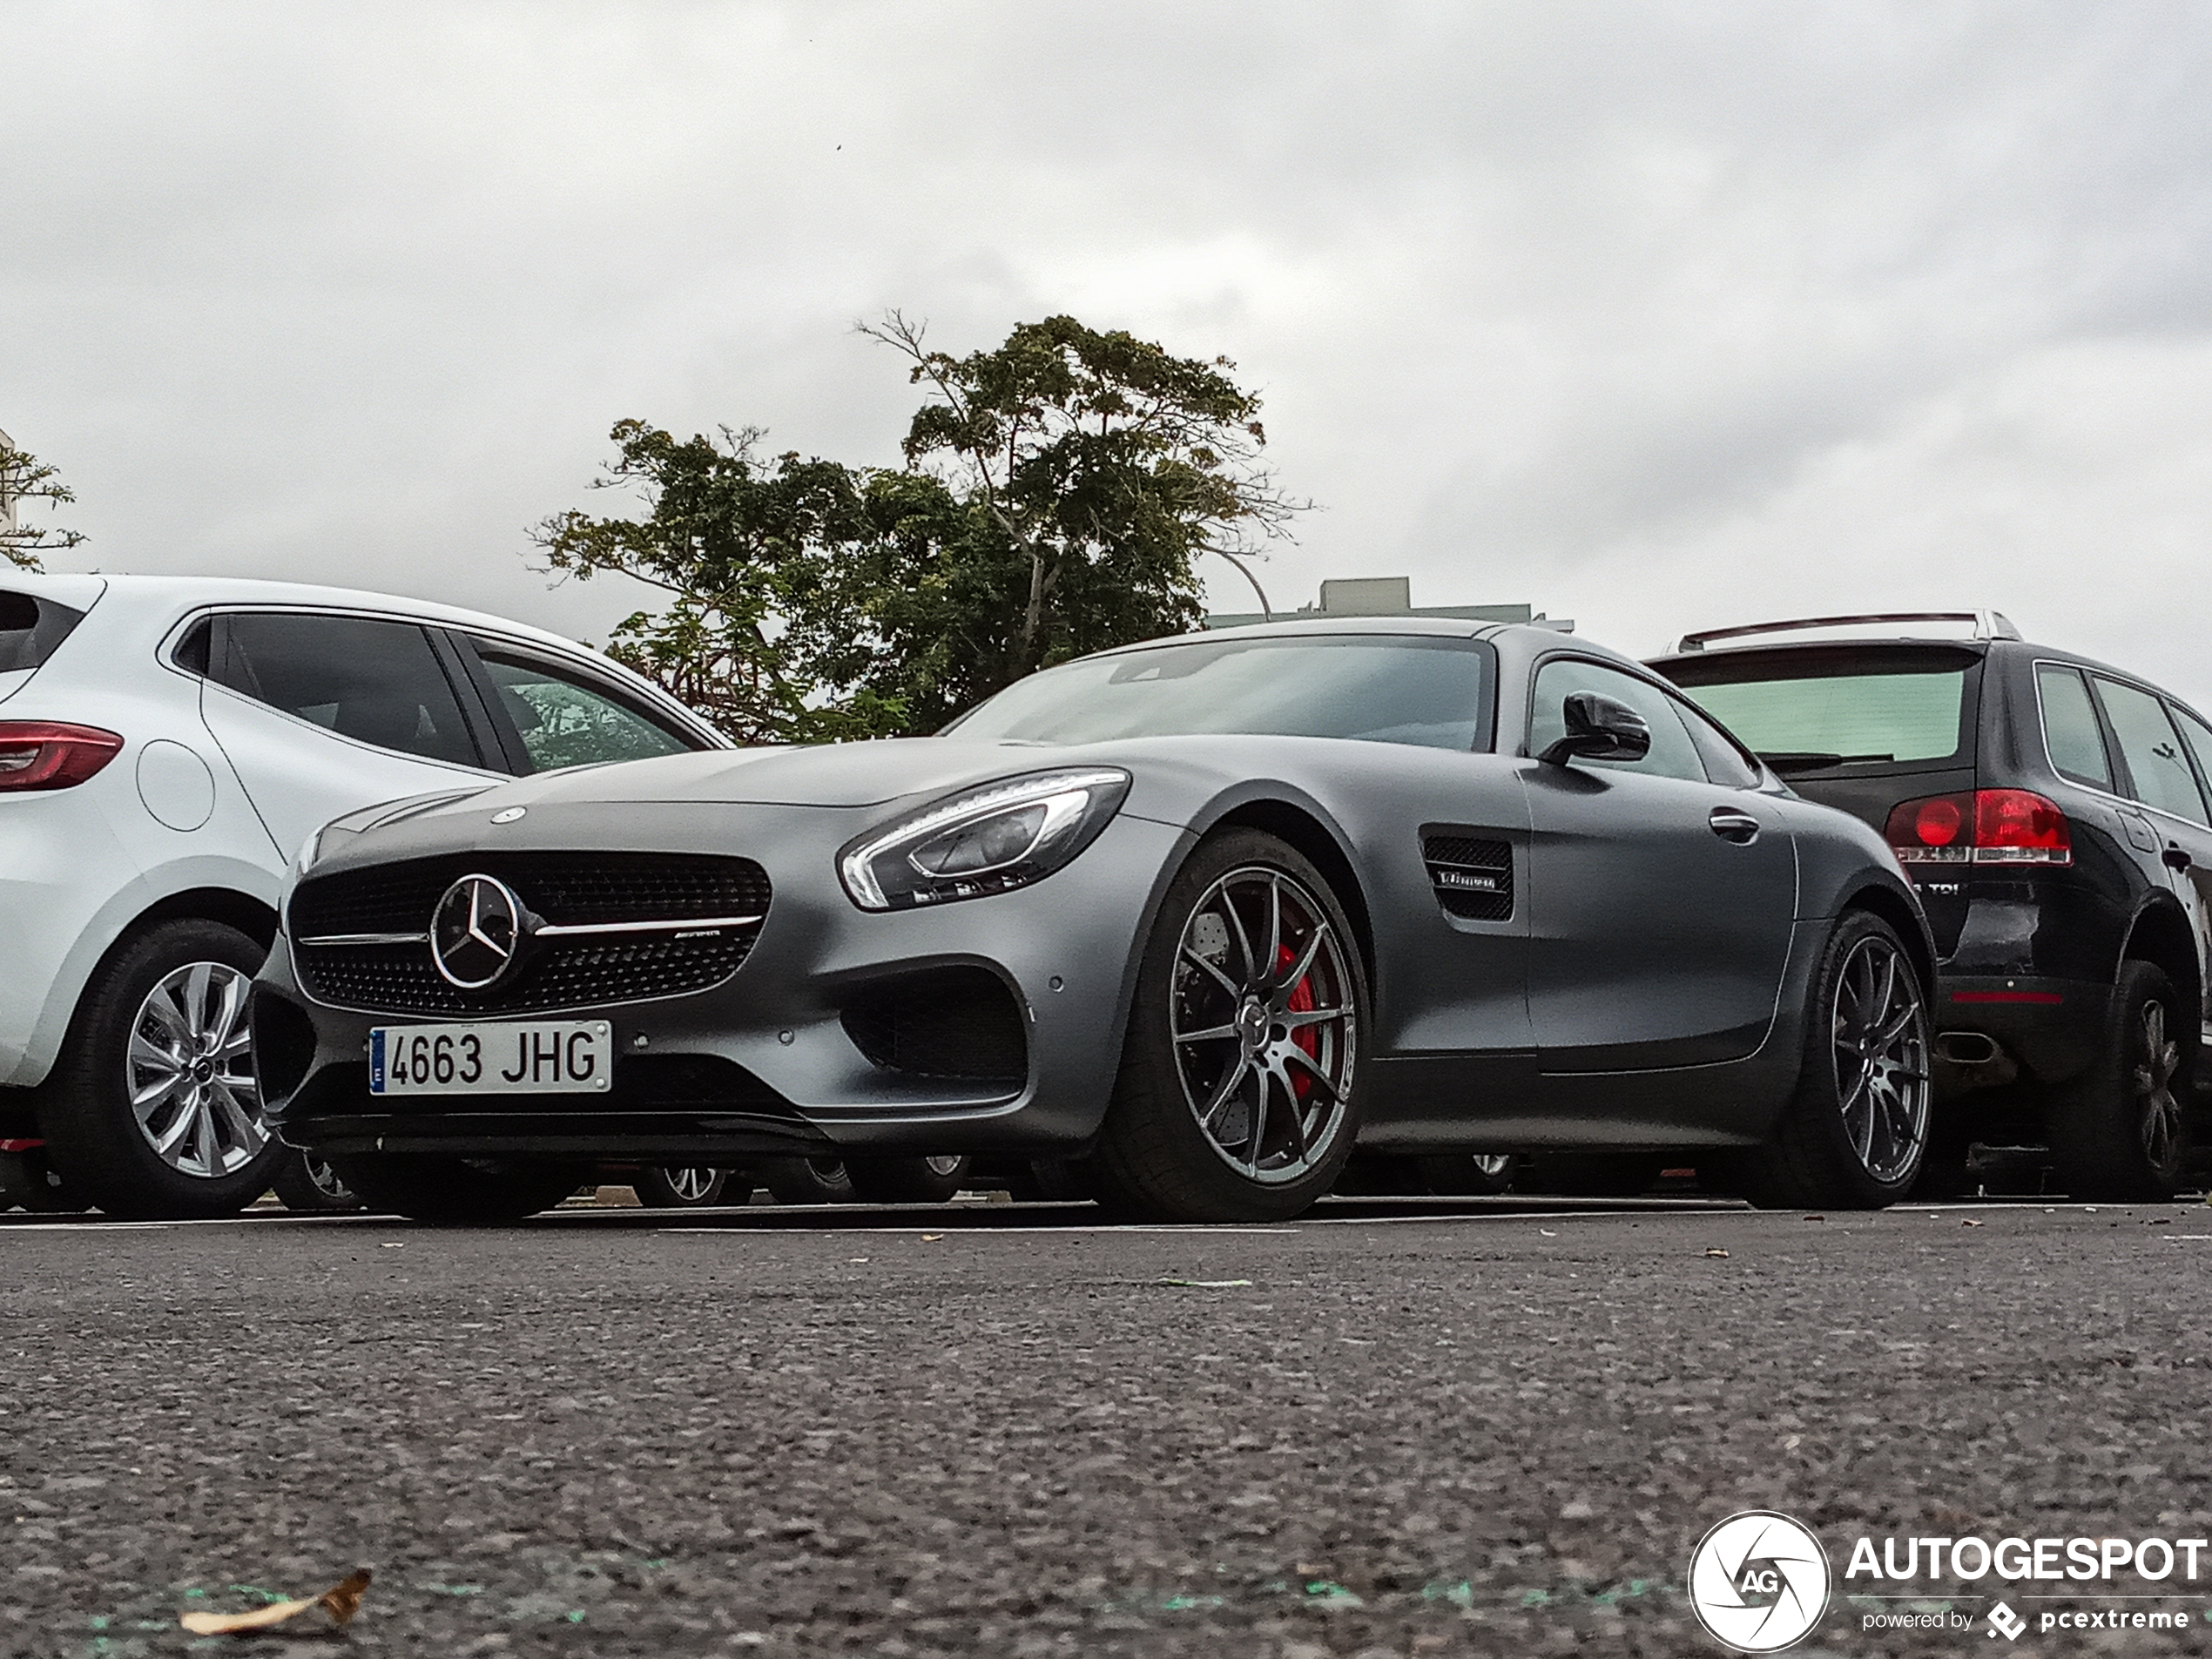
(834, 774)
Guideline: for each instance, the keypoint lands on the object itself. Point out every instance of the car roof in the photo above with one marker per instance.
(1303, 625)
(167, 597)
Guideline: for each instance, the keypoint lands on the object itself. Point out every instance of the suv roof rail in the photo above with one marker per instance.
(1988, 625)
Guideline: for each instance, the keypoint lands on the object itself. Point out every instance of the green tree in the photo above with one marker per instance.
(1057, 495)
(25, 477)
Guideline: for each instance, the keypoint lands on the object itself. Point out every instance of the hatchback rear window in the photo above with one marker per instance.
(1808, 710)
(30, 629)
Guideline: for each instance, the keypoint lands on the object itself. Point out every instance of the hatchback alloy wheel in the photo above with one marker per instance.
(189, 1072)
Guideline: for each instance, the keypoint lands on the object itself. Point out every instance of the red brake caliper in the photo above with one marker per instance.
(1300, 1001)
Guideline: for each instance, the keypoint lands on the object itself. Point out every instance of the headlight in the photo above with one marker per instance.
(310, 850)
(992, 839)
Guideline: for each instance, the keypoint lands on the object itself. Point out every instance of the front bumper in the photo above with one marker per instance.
(767, 1061)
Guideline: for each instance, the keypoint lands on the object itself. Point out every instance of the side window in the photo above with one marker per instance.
(567, 719)
(1726, 761)
(374, 681)
(1672, 754)
(2152, 750)
(2198, 735)
(2070, 729)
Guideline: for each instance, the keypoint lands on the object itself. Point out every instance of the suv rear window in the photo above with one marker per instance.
(1807, 710)
(30, 629)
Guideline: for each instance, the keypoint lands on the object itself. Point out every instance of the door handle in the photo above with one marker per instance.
(1734, 824)
(2174, 858)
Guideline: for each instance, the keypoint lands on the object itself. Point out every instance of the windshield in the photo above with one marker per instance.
(1377, 688)
(1804, 715)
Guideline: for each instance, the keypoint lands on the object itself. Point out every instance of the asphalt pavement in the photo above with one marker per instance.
(1005, 1430)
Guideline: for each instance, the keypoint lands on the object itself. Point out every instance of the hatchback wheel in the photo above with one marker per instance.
(1237, 1096)
(2119, 1131)
(671, 1186)
(1455, 1175)
(806, 1180)
(153, 1111)
(1853, 1135)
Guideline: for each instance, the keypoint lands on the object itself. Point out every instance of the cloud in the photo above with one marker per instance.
(1653, 313)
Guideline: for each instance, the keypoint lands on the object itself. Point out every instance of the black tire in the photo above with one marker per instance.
(807, 1180)
(683, 1186)
(1867, 984)
(1167, 1153)
(92, 1132)
(468, 1192)
(1947, 1171)
(1459, 1175)
(32, 1183)
(1593, 1175)
(307, 1183)
(924, 1180)
(2119, 1132)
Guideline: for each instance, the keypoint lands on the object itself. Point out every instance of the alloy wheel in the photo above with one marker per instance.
(324, 1179)
(2157, 1059)
(190, 1074)
(1881, 1059)
(691, 1184)
(1265, 1028)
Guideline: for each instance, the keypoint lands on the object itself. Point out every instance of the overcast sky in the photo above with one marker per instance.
(1659, 316)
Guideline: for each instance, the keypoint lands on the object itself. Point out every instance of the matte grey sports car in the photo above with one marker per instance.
(1202, 911)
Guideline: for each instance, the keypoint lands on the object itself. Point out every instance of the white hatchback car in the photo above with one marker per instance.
(166, 747)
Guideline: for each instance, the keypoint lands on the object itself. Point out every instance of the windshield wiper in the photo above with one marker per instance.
(1786, 761)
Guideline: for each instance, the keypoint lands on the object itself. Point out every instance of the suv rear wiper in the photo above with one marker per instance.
(1785, 761)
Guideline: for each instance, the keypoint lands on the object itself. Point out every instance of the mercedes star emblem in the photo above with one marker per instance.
(475, 931)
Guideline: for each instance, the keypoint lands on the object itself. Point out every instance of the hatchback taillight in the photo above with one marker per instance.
(45, 754)
(1982, 826)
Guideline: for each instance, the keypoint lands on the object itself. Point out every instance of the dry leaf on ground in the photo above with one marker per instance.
(341, 1600)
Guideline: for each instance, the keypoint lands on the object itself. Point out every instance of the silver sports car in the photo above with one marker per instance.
(1203, 913)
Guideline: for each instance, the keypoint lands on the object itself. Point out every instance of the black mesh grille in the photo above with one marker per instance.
(950, 1022)
(1473, 876)
(566, 889)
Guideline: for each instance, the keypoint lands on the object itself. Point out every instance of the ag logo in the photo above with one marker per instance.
(1759, 1581)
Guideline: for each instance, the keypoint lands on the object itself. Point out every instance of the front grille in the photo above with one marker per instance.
(952, 1023)
(562, 889)
(1472, 875)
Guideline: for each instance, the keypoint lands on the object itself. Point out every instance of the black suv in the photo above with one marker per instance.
(2053, 813)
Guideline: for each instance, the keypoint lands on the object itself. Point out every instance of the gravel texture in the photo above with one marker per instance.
(617, 1434)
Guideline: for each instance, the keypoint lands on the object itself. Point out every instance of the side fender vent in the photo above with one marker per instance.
(1473, 876)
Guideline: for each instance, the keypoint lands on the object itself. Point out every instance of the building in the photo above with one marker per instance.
(1387, 596)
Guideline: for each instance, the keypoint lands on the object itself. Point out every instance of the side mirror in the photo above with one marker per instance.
(1598, 728)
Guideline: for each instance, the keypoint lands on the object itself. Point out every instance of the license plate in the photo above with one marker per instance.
(536, 1057)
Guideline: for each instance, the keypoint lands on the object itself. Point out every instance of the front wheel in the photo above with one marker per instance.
(307, 1182)
(469, 1193)
(1237, 1097)
(929, 1180)
(2118, 1133)
(153, 1112)
(685, 1187)
(1855, 1131)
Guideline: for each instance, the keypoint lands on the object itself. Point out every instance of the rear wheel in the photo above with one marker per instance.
(1237, 1098)
(671, 1186)
(153, 1112)
(1467, 1174)
(1856, 1130)
(436, 1187)
(2118, 1132)
(906, 1180)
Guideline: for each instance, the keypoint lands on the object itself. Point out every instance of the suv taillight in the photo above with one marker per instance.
(45, 754)
(1984, 826)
